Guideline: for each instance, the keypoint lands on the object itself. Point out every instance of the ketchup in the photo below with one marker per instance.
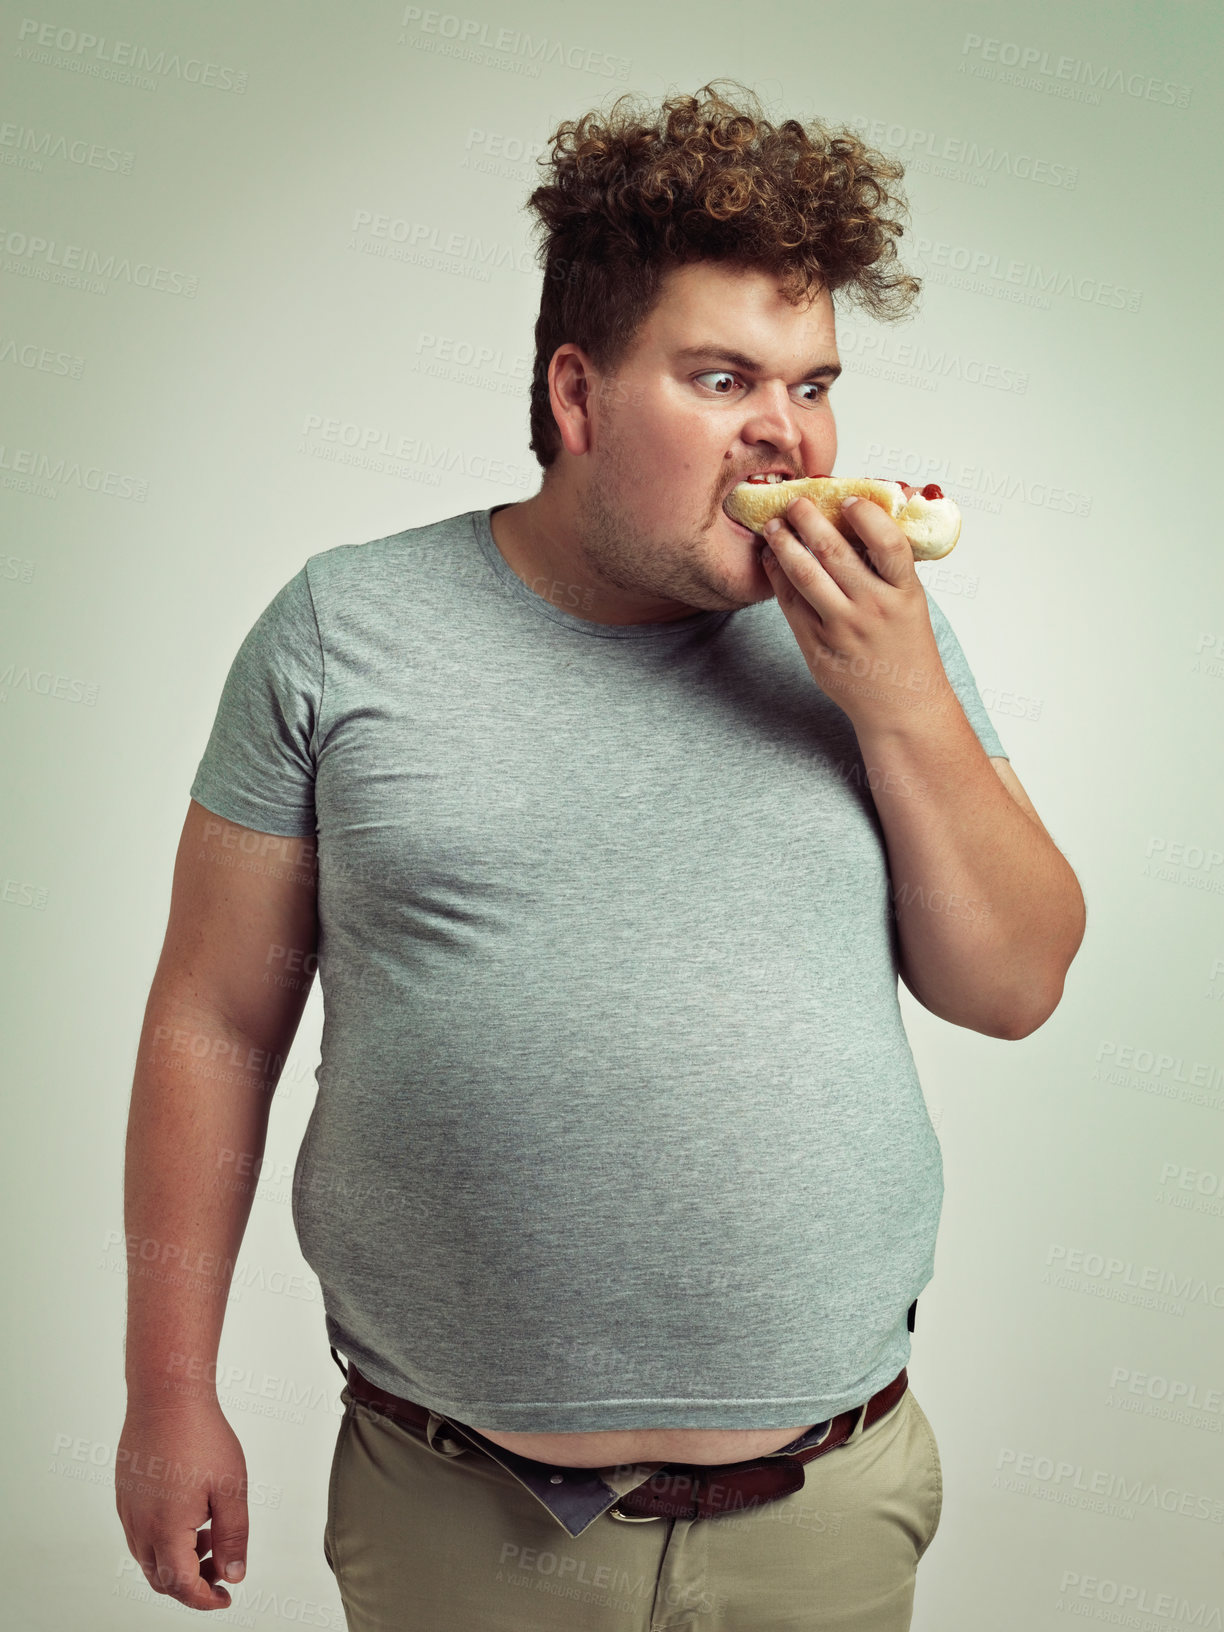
(930, 491)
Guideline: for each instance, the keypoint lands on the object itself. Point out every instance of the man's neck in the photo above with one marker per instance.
(531, 536)
(537, 541)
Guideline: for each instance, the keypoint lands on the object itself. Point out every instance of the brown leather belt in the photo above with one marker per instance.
(686, 1490)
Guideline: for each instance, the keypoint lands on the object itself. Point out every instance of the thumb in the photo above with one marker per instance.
(230, 1527)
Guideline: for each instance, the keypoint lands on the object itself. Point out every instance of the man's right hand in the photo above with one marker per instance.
(180, 1468)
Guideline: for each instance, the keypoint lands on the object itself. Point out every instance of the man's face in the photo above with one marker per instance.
(726, 379)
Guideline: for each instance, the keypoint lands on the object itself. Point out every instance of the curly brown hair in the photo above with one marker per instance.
(638, 192)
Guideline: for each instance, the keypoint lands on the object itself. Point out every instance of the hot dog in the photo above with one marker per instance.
(930, 522)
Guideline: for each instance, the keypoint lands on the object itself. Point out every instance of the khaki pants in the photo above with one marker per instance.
(438, 1537)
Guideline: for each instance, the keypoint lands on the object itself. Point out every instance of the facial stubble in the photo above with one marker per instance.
(615, 549)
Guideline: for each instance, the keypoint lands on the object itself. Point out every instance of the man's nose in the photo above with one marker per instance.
(774, 419)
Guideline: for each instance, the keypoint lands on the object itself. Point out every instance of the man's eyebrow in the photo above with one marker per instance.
(725, 354)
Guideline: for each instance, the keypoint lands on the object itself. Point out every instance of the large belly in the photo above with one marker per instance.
(612, 1447)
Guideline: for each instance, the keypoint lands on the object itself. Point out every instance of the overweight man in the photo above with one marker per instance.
(611, 828)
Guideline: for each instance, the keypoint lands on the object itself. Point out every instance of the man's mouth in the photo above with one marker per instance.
(758, 477)
(744, 532)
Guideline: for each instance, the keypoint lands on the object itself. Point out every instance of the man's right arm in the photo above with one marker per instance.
(221, 1017)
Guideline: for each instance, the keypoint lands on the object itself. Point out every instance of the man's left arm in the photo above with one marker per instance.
(989, 914)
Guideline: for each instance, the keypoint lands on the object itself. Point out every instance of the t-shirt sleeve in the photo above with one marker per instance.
(258, 768)
(960, 675)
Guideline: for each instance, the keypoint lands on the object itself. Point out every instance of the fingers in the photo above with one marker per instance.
(175, 1571)
(862, 547)
(807, 555)
(889, 551)
(180, 1566)
(229, 1531)
(809, 523)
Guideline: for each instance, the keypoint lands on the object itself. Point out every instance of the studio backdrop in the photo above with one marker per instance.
(269, 287)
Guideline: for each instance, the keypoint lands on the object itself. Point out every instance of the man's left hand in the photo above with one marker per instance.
(863, 626)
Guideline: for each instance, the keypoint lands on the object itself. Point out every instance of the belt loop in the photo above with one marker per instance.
(339, 1362)
(860, 1417)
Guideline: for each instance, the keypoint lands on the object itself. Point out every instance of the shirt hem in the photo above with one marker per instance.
(251, 816)
(626, 1415)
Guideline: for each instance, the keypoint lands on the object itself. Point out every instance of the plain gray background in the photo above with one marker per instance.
(310, 325)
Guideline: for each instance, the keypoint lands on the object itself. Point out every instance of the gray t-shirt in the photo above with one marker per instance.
(617, 1122)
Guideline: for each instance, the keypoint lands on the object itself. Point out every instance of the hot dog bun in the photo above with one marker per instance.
(932, 526)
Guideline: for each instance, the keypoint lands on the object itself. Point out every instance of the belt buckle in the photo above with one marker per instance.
(633, 1518)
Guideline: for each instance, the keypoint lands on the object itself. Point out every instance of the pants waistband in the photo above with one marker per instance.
(690, 1490)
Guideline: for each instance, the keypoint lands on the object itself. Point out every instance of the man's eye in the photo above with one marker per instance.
(717, 374)
(727, 379)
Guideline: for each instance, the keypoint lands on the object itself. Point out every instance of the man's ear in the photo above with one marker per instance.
(570, 378)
